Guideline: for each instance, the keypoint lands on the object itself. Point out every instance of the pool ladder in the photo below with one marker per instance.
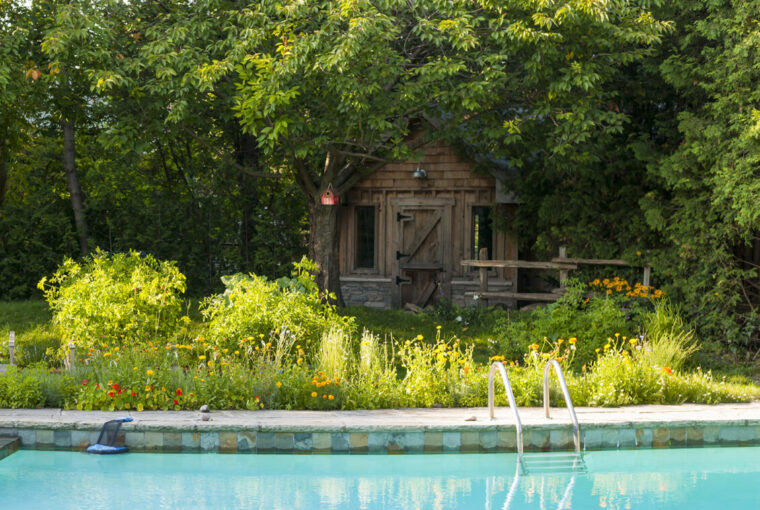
(540, 462)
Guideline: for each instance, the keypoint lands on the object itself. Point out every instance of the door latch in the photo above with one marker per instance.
(400, 255)
(400, 280)
(402, 217)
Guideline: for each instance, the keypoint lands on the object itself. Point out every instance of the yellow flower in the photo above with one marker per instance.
(202, 357)
(560, 341)
(606, 346)
(149, 372)
(331, 397)
(299, 361)
(314, 394)
(534, 347)
(237, 352)
(573, 340)
(225, 351)
(115, 349)
(261, 335)
(438, 328)
(420, 337)
(633, 341)
(106, 354)
(278, 384)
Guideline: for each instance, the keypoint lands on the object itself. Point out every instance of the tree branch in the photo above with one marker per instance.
(232, 163)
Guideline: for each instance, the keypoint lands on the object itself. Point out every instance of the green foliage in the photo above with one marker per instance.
(116, 299)
(672, 342)
(19, 389)
(253, 306)
(39, 344)
(592, 321)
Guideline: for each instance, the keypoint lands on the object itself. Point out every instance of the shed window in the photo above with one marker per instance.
(482, 231)
(365, 237)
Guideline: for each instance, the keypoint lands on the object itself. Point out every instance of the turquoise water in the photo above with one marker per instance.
(709, 478)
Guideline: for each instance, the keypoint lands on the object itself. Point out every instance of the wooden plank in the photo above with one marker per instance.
(483, 256)
(524, 296)
(647, 275)
(421, 266)
(593, 262)
(423, 234)
(522, 264)
(563, 273)
(426, 294)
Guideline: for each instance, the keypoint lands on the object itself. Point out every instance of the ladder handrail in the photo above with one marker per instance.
(497, 365)
(568, 400)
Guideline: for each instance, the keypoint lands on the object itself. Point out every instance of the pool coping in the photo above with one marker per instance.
(391, 430)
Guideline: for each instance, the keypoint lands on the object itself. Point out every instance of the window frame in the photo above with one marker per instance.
(354, 245)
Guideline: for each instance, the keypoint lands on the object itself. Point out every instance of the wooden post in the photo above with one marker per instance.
(483, 255)
(563, 273)
(72, 356)
(647, 275)
(12, 347)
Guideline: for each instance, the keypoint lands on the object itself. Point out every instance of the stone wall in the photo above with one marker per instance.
(369, 292)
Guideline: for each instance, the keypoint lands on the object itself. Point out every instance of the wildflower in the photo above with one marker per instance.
(438, 328)
(313, 394)
(606, 346)
(324, 396)
(667, 370)
(237, 352)
(597, 349)
(278, 384)
(330, 397)
(149, 372)
(84, 383)
(420, 337)
(132, 393)
(111, 394)
(179, 392)
(573, 340)
(148, 388)
(534, 347)
(633, 341)
(225, 351)
(560, 340)
(202, 357)
(175, 402)
(261, 335)
(105, 354)
(299, 361)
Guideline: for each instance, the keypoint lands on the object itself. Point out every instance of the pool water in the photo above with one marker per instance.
(708, 478)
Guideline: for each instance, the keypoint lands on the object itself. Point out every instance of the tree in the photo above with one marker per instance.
(333, 90)
(707, 207)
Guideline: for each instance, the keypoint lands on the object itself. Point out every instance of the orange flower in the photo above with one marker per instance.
(667, 370)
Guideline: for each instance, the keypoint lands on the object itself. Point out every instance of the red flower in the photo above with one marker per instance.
(84, 383)
(119, 392)
(133, 394)
(176, 403)
(115, 386)
(110, 394)
(179, 392)
(257, 398)
(97, 386)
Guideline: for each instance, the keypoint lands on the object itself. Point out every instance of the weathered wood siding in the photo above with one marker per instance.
(451, 186)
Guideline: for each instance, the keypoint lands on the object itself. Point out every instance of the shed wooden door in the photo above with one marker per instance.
(421, 248)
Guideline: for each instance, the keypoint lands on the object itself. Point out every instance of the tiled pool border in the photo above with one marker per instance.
(147, 438)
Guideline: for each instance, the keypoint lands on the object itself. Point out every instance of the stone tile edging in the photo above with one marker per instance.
(390, 431)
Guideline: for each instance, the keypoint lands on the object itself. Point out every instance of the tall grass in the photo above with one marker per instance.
(671, 341)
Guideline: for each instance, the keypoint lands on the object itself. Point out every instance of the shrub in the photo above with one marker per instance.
(19, 389)
(116, 299)
(591, 320)
(254, 307)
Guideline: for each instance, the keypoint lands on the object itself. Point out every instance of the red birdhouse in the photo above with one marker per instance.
(329, 197)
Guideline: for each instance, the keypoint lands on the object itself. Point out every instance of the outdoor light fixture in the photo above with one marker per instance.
(420, 173)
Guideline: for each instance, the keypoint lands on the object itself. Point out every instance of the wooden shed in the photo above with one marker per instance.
(406, 228)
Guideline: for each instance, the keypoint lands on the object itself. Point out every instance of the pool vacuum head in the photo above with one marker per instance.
(107, 437)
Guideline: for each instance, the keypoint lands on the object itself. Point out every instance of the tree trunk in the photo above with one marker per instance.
(3, 173)
(72, 179)
(247, 155)
(324, 246)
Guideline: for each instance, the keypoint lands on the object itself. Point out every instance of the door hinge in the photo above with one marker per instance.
(399, 255)
(401, 217)
(400, 280)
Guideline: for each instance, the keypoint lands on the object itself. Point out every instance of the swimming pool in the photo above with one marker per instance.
(701, 478)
